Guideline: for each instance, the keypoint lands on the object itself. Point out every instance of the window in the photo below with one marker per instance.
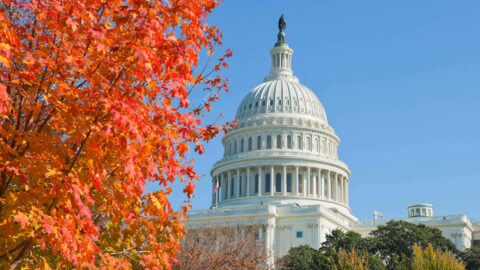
(269, 142)
(300, 183)
(250, 106)
(229, 148)
(288, 102)
(267, 182)
(279, 141)
(309, 144)
(259, 142)
(240, 186)
(299, 142)
(232, 183)
(241, 146)
(289, 142)
(317, 145)
(279, 102)
(256, 104)
(256, 183)
(299, 234)
(289, 182)
(271, 102)
(263, 103)
(235, 148)
(250, 144)
(325, 184)
(278, 182)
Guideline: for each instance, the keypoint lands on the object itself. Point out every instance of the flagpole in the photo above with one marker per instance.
(216, 193)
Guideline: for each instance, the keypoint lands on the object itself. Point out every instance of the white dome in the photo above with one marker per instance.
(281, 96)
(282, 150)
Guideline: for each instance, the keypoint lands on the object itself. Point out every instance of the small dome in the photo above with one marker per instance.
(281, 96)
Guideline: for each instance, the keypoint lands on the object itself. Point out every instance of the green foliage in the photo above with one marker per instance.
(304, 258)
(434, 259)
(388, 247)
(339, 240)
(394, 242)
(471, 258)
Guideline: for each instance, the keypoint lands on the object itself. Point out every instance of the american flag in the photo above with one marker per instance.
(216, 187)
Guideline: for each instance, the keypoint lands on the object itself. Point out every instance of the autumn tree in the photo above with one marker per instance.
(95, 102)
(434, 259)
(225, 247)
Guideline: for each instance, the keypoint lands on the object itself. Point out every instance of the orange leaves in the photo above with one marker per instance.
(93, 104)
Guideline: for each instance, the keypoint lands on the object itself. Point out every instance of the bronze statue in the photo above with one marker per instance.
(281, 35)
(281, 24)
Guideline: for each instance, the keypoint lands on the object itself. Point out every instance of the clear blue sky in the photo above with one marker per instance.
(400, 83)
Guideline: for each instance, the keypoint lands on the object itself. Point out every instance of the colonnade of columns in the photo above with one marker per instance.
(283, 180)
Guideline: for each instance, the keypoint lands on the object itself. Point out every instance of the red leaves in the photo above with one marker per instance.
(99, 103)
(188, 190)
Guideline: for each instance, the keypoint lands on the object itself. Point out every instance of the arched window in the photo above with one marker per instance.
(278, 182)
(271, 102)
(231, 186)
(309, 144)
(317, 145)
(279, 101)
(259, 142)
(289, 142)
(324, 147)
(269, 142)
(267, 182)
(229, 148)
(241, 146)
(235, 148)
(256, 183)
(250, 144)
(300, 183)
(299, 143)
(263, 103)
(289, 182)
(279, 141)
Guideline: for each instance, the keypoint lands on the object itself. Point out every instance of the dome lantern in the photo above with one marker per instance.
(281, 55)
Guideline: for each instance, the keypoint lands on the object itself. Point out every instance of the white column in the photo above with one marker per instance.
(309, 182)
(272, 176)
(295, 182)
(336, 187)
(329, 183)
(320, 179)
(346, 190)
(229, 185)
(249, 179)
(260, 181)
(237, 184)
(284, 180)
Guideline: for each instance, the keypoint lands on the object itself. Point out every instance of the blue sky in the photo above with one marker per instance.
(399, 81)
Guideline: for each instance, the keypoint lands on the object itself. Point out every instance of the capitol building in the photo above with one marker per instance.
(281, 171)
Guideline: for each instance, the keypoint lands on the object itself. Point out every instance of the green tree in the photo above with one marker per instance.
(339, 240)
(471, 258)
(394, 242)
(305, 258)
